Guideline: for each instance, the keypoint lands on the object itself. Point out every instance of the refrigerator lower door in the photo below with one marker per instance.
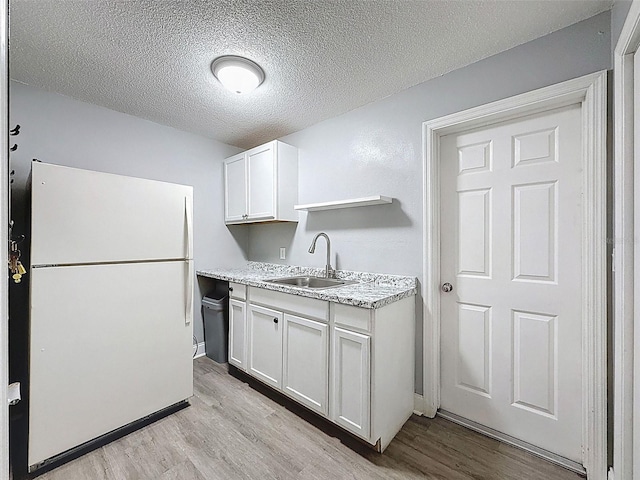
(108, 345)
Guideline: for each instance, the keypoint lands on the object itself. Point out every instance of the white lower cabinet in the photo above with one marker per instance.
(265, 345)
(306, 362)
(350, 381)
(354, 366)
(237, 334)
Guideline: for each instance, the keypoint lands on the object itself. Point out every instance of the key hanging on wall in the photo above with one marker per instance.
(16, 269)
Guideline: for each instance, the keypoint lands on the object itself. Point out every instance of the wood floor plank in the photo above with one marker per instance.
(92, 466)
(182, 471)
(236, 429)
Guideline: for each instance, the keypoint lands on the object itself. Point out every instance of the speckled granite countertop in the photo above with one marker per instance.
(373, 290)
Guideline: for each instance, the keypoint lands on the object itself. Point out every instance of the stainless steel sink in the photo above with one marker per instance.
(311, 282)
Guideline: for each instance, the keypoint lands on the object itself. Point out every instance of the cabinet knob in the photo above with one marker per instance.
(275, 320)
(231, 289)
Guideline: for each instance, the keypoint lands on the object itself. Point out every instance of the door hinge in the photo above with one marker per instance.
(13, 393)
(613, 259)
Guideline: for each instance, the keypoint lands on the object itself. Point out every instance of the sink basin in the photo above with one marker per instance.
(311, 282)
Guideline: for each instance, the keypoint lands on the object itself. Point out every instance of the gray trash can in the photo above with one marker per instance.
(216, 326)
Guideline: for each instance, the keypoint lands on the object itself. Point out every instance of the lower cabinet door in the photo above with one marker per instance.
(265, 345)
(351, 381)
(306, 362)
(237, 334)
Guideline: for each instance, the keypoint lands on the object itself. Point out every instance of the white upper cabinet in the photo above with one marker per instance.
(261, 184)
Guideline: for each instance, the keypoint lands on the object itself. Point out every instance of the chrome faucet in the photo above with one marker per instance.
(329, 272)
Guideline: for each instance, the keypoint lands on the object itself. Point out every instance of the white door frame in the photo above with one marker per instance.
(626, 409)
(591, 92)
(4, 237)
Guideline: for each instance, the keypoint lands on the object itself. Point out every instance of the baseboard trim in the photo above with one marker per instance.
(489, 432)
(418, 404)
(200, 352)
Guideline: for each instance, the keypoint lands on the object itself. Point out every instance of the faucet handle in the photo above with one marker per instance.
(330, 272)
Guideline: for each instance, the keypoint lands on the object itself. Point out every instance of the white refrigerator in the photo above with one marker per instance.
(111, 305)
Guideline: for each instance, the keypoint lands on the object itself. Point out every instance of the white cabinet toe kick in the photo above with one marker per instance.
(353, 366)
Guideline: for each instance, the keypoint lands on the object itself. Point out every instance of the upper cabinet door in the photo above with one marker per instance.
(235, 188)
(262, 182)
(81, 216)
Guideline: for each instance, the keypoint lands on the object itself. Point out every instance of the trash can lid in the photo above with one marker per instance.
(216, 301)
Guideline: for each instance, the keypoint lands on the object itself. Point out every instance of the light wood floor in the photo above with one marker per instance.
(232, 431)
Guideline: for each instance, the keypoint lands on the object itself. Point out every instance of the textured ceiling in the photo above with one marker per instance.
(151, 58)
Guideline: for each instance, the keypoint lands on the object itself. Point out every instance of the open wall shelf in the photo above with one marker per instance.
(349, 203)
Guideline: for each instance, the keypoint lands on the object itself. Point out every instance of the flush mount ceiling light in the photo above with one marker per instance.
(238, 74)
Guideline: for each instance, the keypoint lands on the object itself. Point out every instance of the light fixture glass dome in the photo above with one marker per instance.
(238, 74)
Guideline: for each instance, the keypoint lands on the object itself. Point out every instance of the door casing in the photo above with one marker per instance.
(4, 237)
(626, 263)
(591, 92)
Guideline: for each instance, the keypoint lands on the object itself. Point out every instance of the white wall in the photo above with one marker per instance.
(60, 130)
(377, 149)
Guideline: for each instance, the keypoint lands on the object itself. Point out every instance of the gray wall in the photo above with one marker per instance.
(377, 149)
(61, 130)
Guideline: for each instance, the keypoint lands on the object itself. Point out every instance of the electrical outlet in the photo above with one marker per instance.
(283, 253)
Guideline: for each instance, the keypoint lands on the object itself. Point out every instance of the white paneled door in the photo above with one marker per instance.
(305, 369)
(237, 334)
(235, 188)
(265, 345)
(261, 191)
(350, 384)
(511, 320)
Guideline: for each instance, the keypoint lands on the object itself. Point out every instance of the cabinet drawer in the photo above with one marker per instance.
(352, 317)
(308, 307)
(237, 290)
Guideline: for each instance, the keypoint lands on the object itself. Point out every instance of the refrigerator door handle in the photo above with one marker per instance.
(188, 207)
(188, 312)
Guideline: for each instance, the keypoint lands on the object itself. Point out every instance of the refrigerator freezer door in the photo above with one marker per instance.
(109, 345)
(80, 216)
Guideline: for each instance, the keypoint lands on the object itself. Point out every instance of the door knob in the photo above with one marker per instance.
(447, 287)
